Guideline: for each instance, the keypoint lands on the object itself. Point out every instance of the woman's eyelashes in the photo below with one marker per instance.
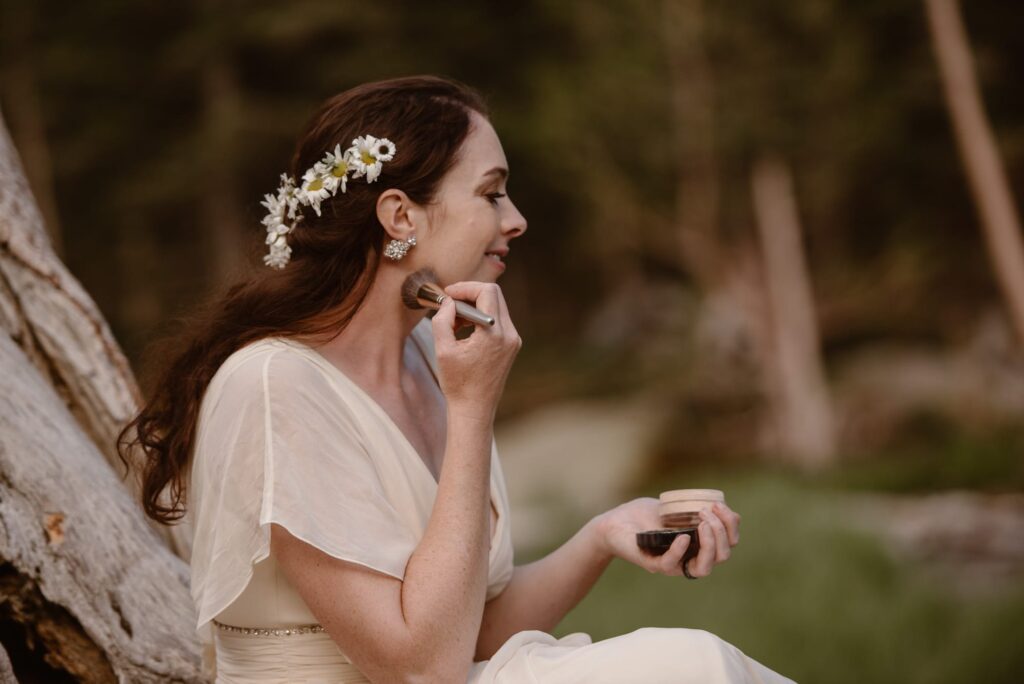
(493, 197)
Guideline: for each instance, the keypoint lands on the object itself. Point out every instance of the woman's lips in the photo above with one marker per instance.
(497, 258)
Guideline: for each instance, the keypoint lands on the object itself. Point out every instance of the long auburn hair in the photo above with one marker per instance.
(334, 259)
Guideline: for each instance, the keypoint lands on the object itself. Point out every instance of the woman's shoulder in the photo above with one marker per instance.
(254, 365)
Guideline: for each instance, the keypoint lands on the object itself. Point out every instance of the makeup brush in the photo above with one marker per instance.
(420, 290)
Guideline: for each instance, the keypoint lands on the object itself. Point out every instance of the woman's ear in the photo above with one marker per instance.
(398, 214)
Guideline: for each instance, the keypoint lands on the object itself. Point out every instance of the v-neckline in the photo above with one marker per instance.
(377, 408)
(321, 359)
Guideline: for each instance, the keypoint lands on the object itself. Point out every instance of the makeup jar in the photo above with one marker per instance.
(679, 511)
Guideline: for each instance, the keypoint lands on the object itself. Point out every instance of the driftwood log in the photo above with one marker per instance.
(47, 313)
(6, 671)
(801, 402)
(93, 589)
(986, 174)
(90, 590)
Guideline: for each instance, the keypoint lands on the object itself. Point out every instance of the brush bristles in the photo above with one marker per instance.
(419, 286)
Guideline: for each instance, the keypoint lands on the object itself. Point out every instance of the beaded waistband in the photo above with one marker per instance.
(268, 631)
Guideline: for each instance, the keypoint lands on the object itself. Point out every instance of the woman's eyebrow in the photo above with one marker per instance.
(500, 170)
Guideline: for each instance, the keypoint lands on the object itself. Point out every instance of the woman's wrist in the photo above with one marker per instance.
(469, 413)
(469, 435)
(596, 534)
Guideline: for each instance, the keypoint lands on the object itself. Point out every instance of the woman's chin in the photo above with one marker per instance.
(485, 273)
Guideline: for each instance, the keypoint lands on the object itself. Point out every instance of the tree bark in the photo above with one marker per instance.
(801, 402)
(95, 592)
(6, 671)
(47, 313)
(989, 186)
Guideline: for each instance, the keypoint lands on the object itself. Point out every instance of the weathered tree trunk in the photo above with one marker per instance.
(802, 405)
(999, 220)
(48, 314)
(95, 591)
(6, 671)
(44, 309)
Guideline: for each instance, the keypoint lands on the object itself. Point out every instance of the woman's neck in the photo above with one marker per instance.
(372, 345)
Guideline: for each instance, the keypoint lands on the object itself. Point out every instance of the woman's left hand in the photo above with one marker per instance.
(718, 532)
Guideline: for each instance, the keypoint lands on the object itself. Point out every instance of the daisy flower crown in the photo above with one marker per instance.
(323, 180)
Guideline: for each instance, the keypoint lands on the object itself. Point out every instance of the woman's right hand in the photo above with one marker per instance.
(472, 371)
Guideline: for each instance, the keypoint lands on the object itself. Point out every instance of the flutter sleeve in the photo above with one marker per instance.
(276, 443)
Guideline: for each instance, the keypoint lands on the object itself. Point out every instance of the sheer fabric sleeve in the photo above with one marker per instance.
(277, 443)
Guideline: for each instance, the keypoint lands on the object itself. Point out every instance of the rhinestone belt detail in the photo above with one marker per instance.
(262, 631)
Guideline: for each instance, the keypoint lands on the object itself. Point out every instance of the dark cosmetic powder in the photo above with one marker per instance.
(657, 542)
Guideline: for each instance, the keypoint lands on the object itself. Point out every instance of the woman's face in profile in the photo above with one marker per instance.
(474, 219)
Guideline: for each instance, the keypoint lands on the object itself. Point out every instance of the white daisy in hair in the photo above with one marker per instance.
(368, 153)
(339, 164)
(286, 194)
(280, 209)
(321, 182)
(313, 190)
(276, 231)
(276, 208)
(279, 254)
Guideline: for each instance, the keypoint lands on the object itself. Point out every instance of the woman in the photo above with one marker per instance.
(349, 512)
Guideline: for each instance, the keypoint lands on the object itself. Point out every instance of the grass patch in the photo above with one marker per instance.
(992, 463)
(808, 595)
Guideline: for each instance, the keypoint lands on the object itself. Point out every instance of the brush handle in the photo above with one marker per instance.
(472, 314)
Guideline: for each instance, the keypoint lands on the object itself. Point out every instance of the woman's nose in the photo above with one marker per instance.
(516, 224)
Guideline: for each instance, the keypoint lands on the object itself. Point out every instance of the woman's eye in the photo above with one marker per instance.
(493, 197)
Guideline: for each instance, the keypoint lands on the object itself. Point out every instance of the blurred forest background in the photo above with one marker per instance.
(755, 262)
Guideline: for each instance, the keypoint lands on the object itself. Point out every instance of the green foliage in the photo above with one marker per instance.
(990, 462)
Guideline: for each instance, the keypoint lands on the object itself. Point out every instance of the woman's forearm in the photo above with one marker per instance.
(541, 593)
(446, 576)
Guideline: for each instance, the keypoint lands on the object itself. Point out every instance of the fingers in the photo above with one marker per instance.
(443, 323)
(470, 291)
(669, 562)
(731, 520)
(477, 290)
(485, 296)
(715, 543)
(502, 306)
(701, 565)
(723, 549)
(488, 302)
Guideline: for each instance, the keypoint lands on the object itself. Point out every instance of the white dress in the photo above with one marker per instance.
(285, 437)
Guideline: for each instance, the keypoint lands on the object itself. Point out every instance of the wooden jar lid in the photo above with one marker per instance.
(688, 494)
(688, 500)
